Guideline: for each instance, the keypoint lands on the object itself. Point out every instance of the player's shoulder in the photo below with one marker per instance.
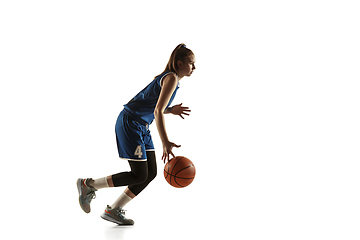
(171, 75)
(170, 78)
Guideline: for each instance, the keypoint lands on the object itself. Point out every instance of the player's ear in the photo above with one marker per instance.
(179, 63)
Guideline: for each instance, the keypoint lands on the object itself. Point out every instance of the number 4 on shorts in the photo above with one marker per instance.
(138, 152)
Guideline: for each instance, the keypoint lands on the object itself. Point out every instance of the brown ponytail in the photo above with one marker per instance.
(179, 54)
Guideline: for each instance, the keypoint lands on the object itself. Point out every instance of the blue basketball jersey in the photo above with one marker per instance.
(141, 107)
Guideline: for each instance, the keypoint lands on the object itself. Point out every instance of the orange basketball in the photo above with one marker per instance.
(179, 172)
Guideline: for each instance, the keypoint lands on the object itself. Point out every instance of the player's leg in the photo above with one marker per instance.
(152, 172)
(137, 175)
(151, 160)
(134, 189)
(100, 182)
(134, 149)
(115, 212)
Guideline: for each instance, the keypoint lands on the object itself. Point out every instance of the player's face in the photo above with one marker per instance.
(188, 66)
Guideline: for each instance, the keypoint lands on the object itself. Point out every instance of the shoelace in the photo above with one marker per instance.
(121, 213)
(90, 196)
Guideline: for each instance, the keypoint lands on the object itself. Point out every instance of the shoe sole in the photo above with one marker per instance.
(79, 185)
(110, 219)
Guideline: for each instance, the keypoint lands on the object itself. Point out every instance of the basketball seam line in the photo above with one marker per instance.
(174, 168)
(180, 177)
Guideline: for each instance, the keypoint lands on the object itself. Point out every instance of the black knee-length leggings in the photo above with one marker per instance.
(141, 174)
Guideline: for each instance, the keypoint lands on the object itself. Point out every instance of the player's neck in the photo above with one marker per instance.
(180, 77)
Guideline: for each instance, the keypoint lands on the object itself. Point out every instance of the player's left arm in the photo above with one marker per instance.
(178, 110)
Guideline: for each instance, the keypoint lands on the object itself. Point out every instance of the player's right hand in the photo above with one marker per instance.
(167, 150)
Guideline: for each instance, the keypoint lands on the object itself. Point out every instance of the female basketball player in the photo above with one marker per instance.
(134, 140)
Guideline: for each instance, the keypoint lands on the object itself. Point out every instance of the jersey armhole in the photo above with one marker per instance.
(164, 76)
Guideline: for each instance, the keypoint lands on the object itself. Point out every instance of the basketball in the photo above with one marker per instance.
(179, 172)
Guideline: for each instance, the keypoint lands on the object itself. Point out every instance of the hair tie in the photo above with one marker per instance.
(183, 46)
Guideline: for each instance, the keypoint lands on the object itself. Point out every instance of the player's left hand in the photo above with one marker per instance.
(180, 110)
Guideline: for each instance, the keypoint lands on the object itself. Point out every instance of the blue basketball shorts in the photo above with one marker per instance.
(133, 138)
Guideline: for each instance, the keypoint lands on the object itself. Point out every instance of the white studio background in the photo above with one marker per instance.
(274, 129)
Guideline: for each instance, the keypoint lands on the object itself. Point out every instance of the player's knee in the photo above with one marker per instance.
(139, 171)
(152, 175)
(141, 178)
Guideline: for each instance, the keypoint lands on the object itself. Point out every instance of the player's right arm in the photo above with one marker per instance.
(169, 84)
